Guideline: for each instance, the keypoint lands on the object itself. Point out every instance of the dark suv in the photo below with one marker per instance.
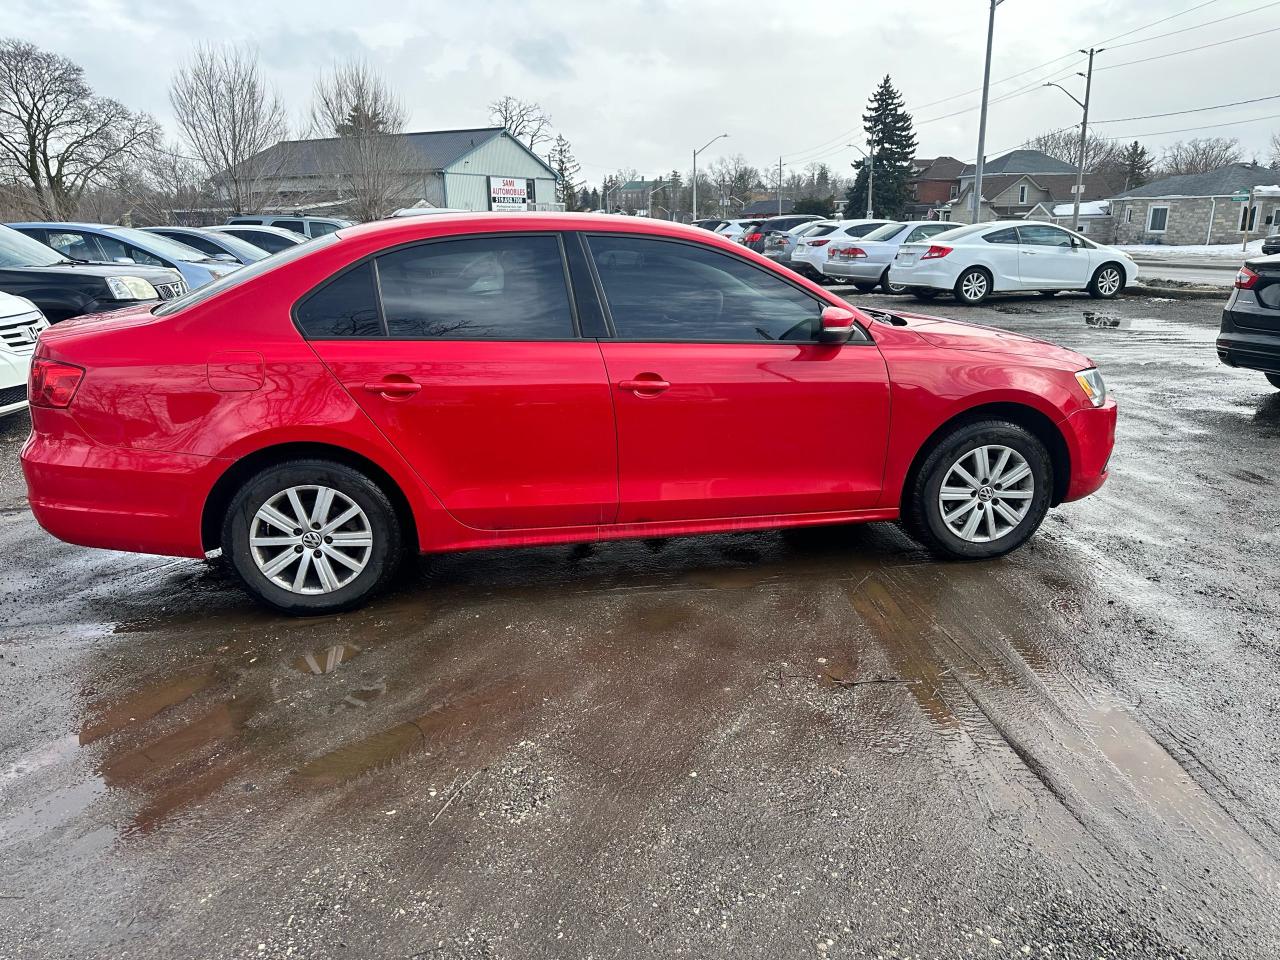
(760, 236)
(64, 288)
(1250, 334)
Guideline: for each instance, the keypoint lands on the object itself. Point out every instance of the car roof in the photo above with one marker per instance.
(78, 225)
(265, 227)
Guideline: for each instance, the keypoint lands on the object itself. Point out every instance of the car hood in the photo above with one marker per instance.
(960, 335)
(150, 274)
(12, 306)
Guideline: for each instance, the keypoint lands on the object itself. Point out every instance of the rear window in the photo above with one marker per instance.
(343, 308)
(957, 233)
(886, 232)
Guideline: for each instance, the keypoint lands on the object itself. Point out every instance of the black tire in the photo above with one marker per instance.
(862, 287)
(1107, 282)
(975, 280)
(922, 514)
(1048, 293)
(893, 288)
(924, 293)
(1273, 379)
(384, 553)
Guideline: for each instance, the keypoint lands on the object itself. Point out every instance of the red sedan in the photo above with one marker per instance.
(486, 380)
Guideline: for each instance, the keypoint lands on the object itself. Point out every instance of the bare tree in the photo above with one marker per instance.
(524, 120)
(229, 118)
(1064, 144)
(1273, 152)
(56, 137)
(372, 164)
(1200, 155)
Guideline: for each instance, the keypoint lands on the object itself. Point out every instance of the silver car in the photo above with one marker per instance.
(780, 246)
(864, 262)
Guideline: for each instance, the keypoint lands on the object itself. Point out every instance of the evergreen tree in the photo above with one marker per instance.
(892, 141)
(567, 169)
(595, 200)
(1137, 164)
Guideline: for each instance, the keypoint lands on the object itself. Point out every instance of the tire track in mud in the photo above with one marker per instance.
(1051, 756)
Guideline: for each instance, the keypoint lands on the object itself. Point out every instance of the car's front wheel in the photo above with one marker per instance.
(1273, 379)
(981, 492)
(1107, 282)
(311, 537)
(973, 286)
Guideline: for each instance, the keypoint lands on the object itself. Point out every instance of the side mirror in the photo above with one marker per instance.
(837, 325)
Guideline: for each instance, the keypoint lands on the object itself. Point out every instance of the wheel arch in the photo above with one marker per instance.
(225, 487)
(1024, 415)
(1111, 262)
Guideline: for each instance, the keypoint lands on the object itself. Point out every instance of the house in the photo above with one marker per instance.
(1198, 207)
(634, 194)
(482, 168)
(1095, 217)
(1012, 196)
(934, 183)
(769, 207)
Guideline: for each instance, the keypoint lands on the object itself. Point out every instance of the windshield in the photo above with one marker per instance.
(885, 232)
(19, 250)
(249, 272)
(154, 243)
(244, 250)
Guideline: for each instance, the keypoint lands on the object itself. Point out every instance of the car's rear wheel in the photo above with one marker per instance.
(981, 492)
(973, 286)
(887, 287)
(1107, 282)
(924, 293)
(1273, 379)
(864, 287)
(310, 537)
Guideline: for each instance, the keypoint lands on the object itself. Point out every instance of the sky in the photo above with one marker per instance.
(641, 83)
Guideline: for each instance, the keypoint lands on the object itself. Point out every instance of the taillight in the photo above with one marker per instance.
(1246, 278)
(753, 237)
(849, 253)
(52, 383)
(818, 243)
(936, 252)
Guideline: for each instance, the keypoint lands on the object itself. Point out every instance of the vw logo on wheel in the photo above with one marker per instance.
(311, 540)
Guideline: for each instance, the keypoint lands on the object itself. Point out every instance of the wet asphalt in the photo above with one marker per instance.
(821, 744)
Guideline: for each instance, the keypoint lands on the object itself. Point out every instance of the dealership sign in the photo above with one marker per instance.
(508, 193)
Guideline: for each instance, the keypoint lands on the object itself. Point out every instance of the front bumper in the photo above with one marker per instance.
(1091, 436)
(13, 381)
(114, 497)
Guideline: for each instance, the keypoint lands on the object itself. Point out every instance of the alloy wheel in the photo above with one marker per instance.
(986, 493)
(974, 286)
(1109, 282)
(310, 539)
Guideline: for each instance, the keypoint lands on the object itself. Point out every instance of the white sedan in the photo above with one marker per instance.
(20, 325)
(810, 252)
(979, 259)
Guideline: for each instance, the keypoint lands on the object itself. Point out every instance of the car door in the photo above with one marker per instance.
(726, 406)
(465, 353)
(1049, 260)
(1000, 250)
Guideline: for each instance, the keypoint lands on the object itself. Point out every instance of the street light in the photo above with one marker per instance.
(695, 170)
(648, 201)
(982, 117)
(871, 173)
(1084, 130)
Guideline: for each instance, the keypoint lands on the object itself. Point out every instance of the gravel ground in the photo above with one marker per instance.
(819, 744)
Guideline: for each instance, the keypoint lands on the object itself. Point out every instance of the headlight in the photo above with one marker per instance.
(1091, 383)
(131, 288)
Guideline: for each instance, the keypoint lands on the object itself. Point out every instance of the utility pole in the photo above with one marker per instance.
(779, 186)
(871, 179)
(695, 170)
(1084, 131)
(982, 117)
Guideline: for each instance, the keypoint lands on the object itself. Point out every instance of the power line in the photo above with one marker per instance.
(1176, 113)
(1178, 53)
(1154, 23)
(1197, 26)
(1210, 126)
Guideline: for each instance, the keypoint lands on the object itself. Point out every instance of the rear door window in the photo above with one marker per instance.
(320, 229)
(481, 288)
(663, 291)
(294, 225)
(344, 308)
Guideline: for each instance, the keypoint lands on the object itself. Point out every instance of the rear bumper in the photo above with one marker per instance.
(113, 497)
(1242, 344)
(931, 274)
(854, 270)
(1091, 437)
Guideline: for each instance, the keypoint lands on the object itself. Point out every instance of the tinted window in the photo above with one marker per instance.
(320, 229)
(195, 241)
(1044, 236)
(1007, 235)
(487, 288)
(820, 231)
(267, 241)
(861, 229)
(294, 225)
(886, 232)
(664, 291)
(924, 232)
(245, 220)
(346, 307)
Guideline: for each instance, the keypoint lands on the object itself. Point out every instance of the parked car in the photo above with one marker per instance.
(780, 246)
(62, 288)
(307, 226)
(269, 239)
(865, 262)
(1250, 334)
(1271, 245)
(102, 243)
(737, 230)
(20, 325)
(220, 246)
(711, 223)
(758, 238)
(444, 383)
(979, 259)
(811, 252)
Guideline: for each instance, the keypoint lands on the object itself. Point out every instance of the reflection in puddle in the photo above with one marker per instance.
(108, 718)
(327, 661)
